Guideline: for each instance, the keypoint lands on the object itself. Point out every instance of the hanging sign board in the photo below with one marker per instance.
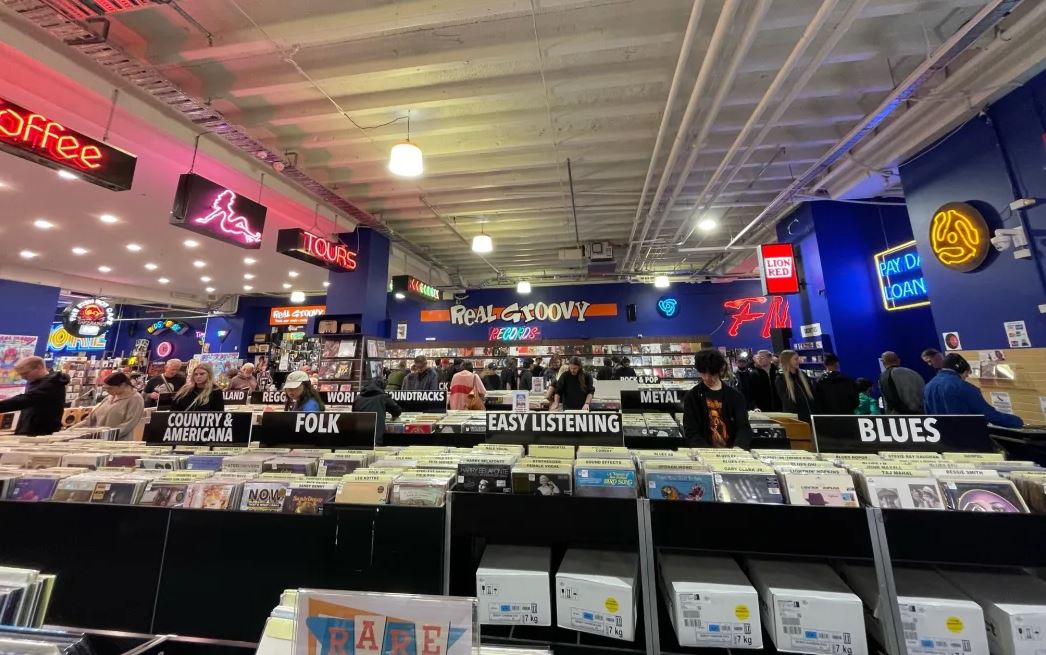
(221, 428)
(777, 269)
(642, 379)
(421, 401)
(88, 318)
(294, 315)
(652, 400)
(210, 209)
(859, 434)
(589, 428)
(320, 429)
(315, 250)
(413, 287)
(39, 139)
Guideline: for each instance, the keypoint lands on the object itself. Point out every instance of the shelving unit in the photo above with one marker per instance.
(811, 353)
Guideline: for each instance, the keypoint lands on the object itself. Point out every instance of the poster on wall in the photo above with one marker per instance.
(401, 330)
(991, 365)
(1017, 334)
(13, 347)
(225, 365)
(1001, 401)
(951, 341)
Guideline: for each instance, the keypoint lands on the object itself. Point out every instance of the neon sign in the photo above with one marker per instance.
(411, 285)
(295, 315)
(515, 333)
(775, 316)
(900, 274)
(163, 325)
(164, 349)
(777, 270)
(212, 210)
(316, 250)
(88, 318)
(668, 306)
(959, 236)
(59, 340)
(39, 139)
(516, 313)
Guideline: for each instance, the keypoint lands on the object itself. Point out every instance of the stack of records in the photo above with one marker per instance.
(606, 476)
(421, 488)
(543, 476)
(981, 493)
(675, 479)
(24, 597)
(1032, 485)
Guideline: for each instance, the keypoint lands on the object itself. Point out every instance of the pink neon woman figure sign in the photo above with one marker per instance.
(229, 222)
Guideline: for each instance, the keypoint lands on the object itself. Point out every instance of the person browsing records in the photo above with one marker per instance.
(573, 389)
(244, 379)
(43, 400)
(715, 414)
(466, 389)
(374, 399)
(949, 393)
(123, 408)
(301, 395)
(170, 381)
(199, 394)
(794, 388)
(901, 388)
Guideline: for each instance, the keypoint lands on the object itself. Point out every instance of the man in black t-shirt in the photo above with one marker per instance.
(715, 414)
(170, 381)
(574, 388)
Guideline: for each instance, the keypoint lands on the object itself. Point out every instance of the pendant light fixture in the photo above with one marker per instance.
(661, 282)
(523, 287)
(405, 160)
(482, 242)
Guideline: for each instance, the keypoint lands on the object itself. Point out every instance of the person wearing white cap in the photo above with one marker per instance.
(301, 395)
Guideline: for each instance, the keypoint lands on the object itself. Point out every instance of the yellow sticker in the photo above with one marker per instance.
(741, 612)
(954, 624)
(611, 604)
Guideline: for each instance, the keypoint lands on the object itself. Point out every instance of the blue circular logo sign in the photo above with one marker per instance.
(667, 306)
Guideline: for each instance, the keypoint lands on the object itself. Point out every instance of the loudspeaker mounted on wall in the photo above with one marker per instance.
(780, 339)
(630, 312)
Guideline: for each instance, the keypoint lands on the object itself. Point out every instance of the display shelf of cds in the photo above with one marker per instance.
(340, 365)
(812, 351)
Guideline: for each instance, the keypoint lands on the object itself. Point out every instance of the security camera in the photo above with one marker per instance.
(1006, 238)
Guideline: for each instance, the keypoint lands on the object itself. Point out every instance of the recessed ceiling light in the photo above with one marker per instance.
(43, 224)
(104, 269)
(249, 260)
(190, 243)
(286, 285)
(248, 276)
(205, 279)
(149, 266)
(66, 175)
(28, 254)
(292, 273)
(79, 251)
(326, 283)
(247, 287)
(209, 289)
(108, 218)
(162, 280)
(134, 247)
(199, 263)
(3, 185)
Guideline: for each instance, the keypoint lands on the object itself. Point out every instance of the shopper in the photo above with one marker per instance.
(43, 400)
(551, 373)
(301, 395)
(949, 393)
(625, 370)
(606, 372)
(510, 375)
(574, 388)
(170, 381)
(760, 385)
(122, 408)
(866, 404)
(374, 399)
(200, 393)
(901, 388)
(467, 390)
(538, 370)
(794, 388)
(526, 375)
(933, 358)
(835, 393)
(244, 379)
(397, 376)
(490, 377)
(422, 378)
(714, 414)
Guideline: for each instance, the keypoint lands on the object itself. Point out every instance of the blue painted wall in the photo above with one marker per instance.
(363, 291)
(29, 310)
(700, 312)
(989, 162)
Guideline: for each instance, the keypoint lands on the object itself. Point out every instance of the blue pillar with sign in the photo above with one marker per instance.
(363, 291)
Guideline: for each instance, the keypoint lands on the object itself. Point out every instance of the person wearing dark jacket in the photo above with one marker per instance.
(526, 375)
(607, 371)
(396, 377)
(794, 388)
(422, 378)
(170, 381)
(759, 384)
(714, 414)
(835, 393)
(43, 400)
(374, 399)
(199, 394)
(574, 388)
(510, 375)
(625, 370)
(491, 379)
(949, 393)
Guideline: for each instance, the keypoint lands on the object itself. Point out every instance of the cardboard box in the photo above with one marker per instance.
(596, 593)
(937, 618)
(807, 608)
(1014, 607)
(710, 601)
(513, 586)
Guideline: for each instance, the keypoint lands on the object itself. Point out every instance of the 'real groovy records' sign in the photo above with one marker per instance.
(847, 434)
(589, 428)
(322, 429)
(173, 428)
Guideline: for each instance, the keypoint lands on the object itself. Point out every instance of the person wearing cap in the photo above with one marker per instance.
(490, 377)
(301, 395)
(122, 408)
(949, 393)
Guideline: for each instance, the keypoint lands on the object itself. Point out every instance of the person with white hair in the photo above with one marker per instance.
(170, 381)
(43, 400)
(244, 379)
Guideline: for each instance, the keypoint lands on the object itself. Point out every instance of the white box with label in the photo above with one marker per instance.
(807, 608)
(1014, 607)
(596, 592)
(937, 618)
(711, 602)
(513, 586)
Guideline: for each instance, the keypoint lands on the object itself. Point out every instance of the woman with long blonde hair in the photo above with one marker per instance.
(200, 393)
(794, 388)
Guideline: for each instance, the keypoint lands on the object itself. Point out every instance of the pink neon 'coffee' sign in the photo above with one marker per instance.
(212, 210)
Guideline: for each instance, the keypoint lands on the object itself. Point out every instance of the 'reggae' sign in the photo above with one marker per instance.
(202, 428)
(945, 433)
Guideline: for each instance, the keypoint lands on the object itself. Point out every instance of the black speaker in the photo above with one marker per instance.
(780, 339)
(630, 312)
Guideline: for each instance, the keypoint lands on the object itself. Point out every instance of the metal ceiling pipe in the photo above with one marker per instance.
(982, 21)
(461, 236)
(666, 116)
(822, 53)
(743, 46)
(726, 17)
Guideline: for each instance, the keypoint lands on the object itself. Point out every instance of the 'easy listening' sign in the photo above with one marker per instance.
(900, 274)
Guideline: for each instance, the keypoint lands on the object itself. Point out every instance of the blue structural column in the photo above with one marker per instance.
(365, 290)
(30, 310)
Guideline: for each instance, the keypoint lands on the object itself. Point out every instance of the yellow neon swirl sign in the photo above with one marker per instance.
(959, 237)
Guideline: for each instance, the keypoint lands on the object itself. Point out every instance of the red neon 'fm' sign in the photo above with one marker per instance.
(774, 316)
(36, 137)
(316, 250)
